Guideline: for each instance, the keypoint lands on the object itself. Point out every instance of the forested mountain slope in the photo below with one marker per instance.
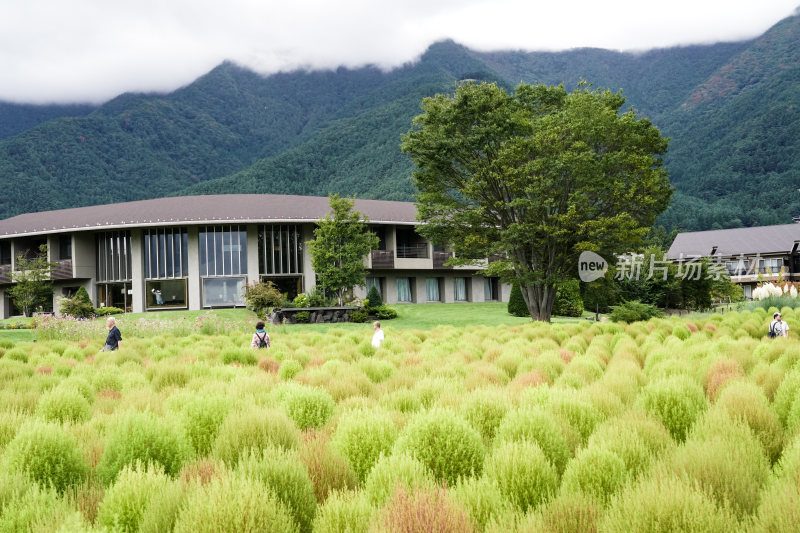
(731, 110)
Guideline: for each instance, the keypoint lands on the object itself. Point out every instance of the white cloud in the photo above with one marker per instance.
(92, 50)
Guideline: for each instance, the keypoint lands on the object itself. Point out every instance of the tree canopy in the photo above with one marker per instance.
(341, 241)
(537, 177)
(31, 278)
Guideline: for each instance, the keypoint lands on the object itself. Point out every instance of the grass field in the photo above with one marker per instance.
(678, 424)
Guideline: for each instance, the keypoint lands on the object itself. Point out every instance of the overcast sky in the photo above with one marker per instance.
(93, 50)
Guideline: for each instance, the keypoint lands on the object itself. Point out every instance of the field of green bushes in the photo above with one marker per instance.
(679, 424)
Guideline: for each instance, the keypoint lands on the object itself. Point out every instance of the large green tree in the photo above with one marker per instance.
(31, 277)
(341, 241)
(536, 176)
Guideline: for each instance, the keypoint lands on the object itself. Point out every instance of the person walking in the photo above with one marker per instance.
(114, 339)
(377, 337)
(778, 328)
(260, 337)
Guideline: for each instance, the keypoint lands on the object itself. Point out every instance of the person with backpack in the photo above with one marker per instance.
(260, 337)
(778, 328)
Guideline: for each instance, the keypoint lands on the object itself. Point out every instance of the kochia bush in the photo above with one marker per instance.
(391, 472)
(445, 443)
(523, 474)
(48, 454)
(234, 504)
(362, 436)
(676, 401)
(257, 429)
(596, 472)
(145, 438)
(63, 405)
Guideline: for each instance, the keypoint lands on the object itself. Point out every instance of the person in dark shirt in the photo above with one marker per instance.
(114, 339)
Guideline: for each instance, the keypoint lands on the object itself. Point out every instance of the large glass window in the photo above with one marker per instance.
(460, 289)
(375, 282)
(166, 253)
(113, 256)
(223, 250)
(432, 289)
(491, 289)
(280, 249)
(223, 292)
(166, 293)
(403, 290)
(5, 253)
(65, 246)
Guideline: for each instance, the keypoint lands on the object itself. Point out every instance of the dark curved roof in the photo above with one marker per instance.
(731, 242)
(211, 209)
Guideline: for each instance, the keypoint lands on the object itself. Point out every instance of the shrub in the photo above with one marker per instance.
(568, 299)
(637, 440)
(362, 436)
(237, 354)
(393, 471)
(725, 459)
(429, 510)
(48, 455)
(358, 316)
(676, 402)
(79, 306)
(634, 311)
(128, 501)
(302, 317)
(747, 402)
(536, 425)
(287, 479)
(516, 303)
(145, 438)
(63, 405)
(483, 499)
(233, 504)
(596, 472)
(579, 412)
(257, 429)
(788, 390)
(779, 511)
(343, 512)
(202, 417)
(374, 297)
(309, 407)
(328, 469)
(289, 369)
(485, 410)
(108, 310)
(385, 312)
(665, 504)
(169, 375)
(259, 297)
(523, 474)
(567, 513)
(445, 443)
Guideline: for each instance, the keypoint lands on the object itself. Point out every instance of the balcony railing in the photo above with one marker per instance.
(382, 259)
(413, 251)
(63, 270)
(440, 258)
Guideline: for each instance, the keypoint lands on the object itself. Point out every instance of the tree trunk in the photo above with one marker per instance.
(539, 299)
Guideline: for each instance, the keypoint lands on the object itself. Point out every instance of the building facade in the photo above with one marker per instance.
(749, 255)
(198, 252)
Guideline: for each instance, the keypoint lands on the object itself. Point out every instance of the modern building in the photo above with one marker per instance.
(198, 252)
(749, 255)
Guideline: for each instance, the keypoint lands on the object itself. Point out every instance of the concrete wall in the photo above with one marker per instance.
(193, 257)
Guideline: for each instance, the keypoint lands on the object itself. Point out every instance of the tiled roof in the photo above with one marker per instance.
(761, 240)
(211, 209)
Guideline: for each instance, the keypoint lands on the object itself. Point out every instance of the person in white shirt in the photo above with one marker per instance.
(778, 326)
(377, 338)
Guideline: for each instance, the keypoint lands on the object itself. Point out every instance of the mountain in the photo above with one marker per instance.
(729, 108)
(16, 118)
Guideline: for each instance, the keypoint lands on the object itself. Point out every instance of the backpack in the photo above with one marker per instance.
(263, 342)
(772, 333)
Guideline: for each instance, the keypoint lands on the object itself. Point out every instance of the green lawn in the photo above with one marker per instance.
(410, 316)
